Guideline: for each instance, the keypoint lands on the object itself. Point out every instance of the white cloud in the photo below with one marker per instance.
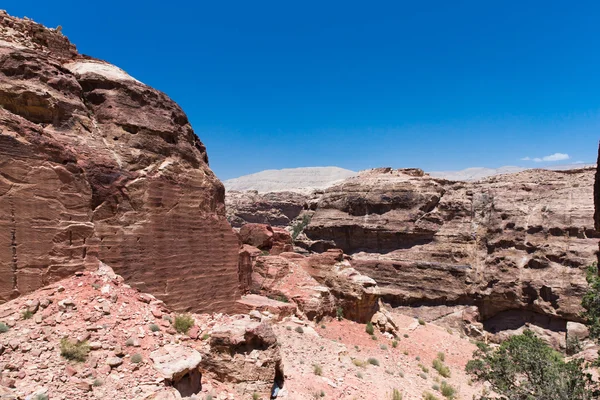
(551, 157)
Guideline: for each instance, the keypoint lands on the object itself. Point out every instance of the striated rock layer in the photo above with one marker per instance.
(96, 165)
(510, 242)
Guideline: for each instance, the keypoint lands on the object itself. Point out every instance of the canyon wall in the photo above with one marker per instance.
(95, 165)
(511, 242)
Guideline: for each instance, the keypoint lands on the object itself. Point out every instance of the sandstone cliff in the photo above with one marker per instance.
(511, 242)
(97, 165)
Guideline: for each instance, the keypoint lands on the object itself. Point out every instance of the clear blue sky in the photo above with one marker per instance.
(436, 85)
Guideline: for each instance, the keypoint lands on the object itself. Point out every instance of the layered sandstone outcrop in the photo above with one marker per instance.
(97, 165)
(274, 208)
(510, 242)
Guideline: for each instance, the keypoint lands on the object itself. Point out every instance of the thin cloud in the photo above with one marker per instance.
(551, 157)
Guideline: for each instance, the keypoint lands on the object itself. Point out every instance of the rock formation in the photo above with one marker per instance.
(511, 242)
(96, 165)
(275, 208)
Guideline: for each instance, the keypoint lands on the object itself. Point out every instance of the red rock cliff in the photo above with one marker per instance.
(96, 165)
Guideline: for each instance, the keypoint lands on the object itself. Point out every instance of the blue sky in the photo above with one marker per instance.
(433, 84)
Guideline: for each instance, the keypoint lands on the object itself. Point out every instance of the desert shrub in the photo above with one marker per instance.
(209, 397)
(300, 225)
(3, 327)
(183, 323)
(405, 352)
(97, 383)
(442, 369)
(418, 358)
(394, 343)
(406, 335)
(423, 375)
(525, 367)
(573, 346)
(77, 351)
(373, 361)
(591, 301)
(282, 298)
(441, 356)
(401, 374)
(424, 368)
(429, 396)
(299, 329)
(447, 390)
(129, 342)
(317, 369)
(265, 253)
(339, 313)
(323, 326)
(136, 358)
(383, 347)
(255, 396)
(369, 328)
(373, 337)
(396, 395)
(435, 387)
(154, 328)
(26, 314)
(359, 375)
(41, 396)
(359, 362)
(421, 321)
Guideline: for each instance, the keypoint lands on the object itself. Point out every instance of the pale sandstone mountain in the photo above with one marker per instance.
(96, 165)
(289, 179)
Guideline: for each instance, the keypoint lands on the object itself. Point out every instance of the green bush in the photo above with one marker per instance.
(394, 343)
(447, 390)
(255, 396)
(136, 358)
(396, 395)
(339, 313)
(3, 327)
(525, 367)
(429, 396)
(129, 342)
(421, 322)
(373, 361)
(441, 356)
(591, 301)
(77, 351)
(383, 347)
(97, 383)
(154, 328)
(41, 396)
(299, 329)
(369, 328)
(442, 369)
(183, 323)
(359, 375)
(205, 336)
(27, 314)
(299, 226)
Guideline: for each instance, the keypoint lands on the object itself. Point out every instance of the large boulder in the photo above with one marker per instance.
(94, 164)
(179, 366)
(258, 235)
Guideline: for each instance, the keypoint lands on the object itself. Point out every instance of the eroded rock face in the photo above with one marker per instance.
(275, 209)
(510, 242)
(96, 165)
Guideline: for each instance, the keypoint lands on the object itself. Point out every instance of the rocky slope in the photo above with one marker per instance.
(96, 165)
(511, 242)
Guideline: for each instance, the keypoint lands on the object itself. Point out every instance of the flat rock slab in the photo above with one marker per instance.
(174, 361)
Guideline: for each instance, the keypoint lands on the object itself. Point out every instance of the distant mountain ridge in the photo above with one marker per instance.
(307, 179)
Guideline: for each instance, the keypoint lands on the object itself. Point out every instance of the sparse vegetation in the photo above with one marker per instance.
(264, 253)
(183, 323)
(300, 225)
(3, 327)
(373, 361)
(394, 343)
(136, 358)
(255, 396)
(396, 395)
(373, 337)
(525, 367)
(289, 328)
(405, 352)
(282, 298)
(442, 369)
(383, 347)
(447, 390)
(423, 375)
(421, 321)
(97, 383)
(323, 326)
(429, 396)
(129, 342)
(369, 328)
(358, 362)
(441, 356)
(77, 351)
(339, 313)
(591, 301)
(206, 336)
(424, 368)
(299, 329)
(359, 375)
(41, 396)
(406, 335)
(26, 314)
(154, 328)
(317, 369)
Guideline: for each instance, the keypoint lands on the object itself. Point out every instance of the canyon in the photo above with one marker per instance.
(127, 271)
